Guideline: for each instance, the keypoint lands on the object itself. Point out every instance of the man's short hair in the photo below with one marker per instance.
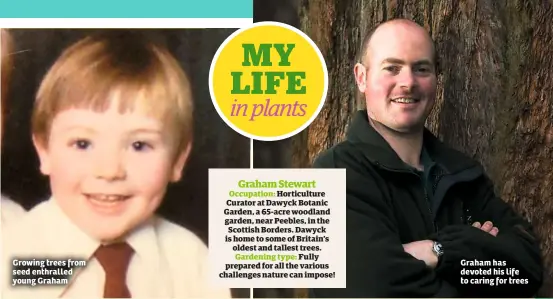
(363, 49)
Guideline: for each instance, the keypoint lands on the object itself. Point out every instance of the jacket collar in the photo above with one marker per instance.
(379, 152)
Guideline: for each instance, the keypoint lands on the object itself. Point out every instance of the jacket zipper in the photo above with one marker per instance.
(429, 208)
(427, 201)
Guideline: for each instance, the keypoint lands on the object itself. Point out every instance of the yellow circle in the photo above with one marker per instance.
(268, 81)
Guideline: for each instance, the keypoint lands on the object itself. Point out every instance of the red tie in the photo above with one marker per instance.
(115, 259)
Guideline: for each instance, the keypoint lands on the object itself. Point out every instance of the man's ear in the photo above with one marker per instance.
(43, 154)
(181, 160)
(360, 73)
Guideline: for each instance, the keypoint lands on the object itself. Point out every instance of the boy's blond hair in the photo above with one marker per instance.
(124, 66)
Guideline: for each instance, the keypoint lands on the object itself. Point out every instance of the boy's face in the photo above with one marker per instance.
(109, 171)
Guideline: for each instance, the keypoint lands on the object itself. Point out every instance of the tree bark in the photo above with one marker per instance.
(495, 90)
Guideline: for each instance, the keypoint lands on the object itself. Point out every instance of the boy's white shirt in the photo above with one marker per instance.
(10, 211)
(169, 261)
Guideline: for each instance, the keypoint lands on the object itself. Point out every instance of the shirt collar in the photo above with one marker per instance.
(69, 239)
(377, 150)
(143, 240)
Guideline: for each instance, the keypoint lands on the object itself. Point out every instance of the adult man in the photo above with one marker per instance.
(416, 209)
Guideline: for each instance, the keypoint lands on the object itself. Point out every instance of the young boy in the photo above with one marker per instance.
(112, 125)
(10, 211)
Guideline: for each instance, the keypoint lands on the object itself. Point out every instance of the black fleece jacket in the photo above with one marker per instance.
(387, 206)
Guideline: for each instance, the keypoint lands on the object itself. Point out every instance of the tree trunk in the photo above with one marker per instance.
(495, 90)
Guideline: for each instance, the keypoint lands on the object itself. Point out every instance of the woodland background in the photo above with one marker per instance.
(495, 91)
